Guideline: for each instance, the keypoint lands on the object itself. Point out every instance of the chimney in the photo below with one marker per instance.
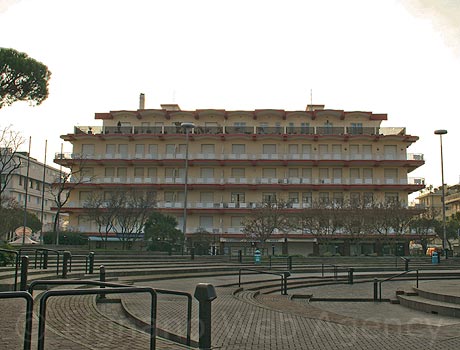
(141, 101)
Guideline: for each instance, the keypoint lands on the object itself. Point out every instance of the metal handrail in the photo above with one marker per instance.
(16, 265)
(35, 283)
(336, 268)
(395, 276)
(119, 290)
(29, 313)
(283, 275)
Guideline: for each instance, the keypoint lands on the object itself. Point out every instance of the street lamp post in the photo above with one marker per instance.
(187, 127)
(443, 194)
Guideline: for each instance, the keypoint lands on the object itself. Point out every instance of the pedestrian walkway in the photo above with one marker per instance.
(242, 320)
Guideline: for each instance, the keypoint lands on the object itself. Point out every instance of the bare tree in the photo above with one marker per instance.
(10, 162)
(62, 187)
(264, 222)
(102, 212)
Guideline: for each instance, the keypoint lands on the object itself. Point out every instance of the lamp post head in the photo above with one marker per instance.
(440, 132)
(187, 125)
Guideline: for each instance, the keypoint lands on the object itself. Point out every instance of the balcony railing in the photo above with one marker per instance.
(243, 156)
(253, 181)
(259, 130)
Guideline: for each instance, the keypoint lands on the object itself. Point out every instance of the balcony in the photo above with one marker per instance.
(245, 130)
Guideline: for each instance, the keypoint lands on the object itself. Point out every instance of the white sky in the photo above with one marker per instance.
(400, 57)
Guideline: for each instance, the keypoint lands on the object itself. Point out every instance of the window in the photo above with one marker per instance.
(356, 128)
(238, 172)
(237, 197)
(355, 199)
(206, 223)
(238, 149)
(269, 173)
(269, 149)
(87, 172)
(84, 195)
(153, 149)
(139, 172)
(390, 151)
(268, 197)
(368, 198)
(337, 149)
(207, 197)
(152, 172)
(306, 173)
(293, 149)
(337, 199)
(87, 150)
(304, 128)
(236, 221)
(391, 175)
(337, 173)
(391, 197)
(323, 175)
(109, 172)
(307, 198)
(208, 148)
(140, 149)
(354, 174)
(293, 172)
(122, 172)
(293, 197)
(306, 149)
(324, 198)
(110, 149)
(368, 174)
(207, 173)
(171, 149)
(123, 149)
(169, 196)
(323, 149)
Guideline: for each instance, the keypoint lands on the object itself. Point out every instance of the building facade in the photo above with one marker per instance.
(237, 160)
(40, 177)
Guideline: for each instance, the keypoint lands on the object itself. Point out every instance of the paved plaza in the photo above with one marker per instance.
(242, 320)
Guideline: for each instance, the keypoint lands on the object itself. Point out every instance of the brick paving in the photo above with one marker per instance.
(243, 320)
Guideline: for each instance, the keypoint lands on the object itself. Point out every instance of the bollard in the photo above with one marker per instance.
(289, 261)
(240, 256)
(24, 272)
(91, 263)
(45, 259)
(102, 279)
(406, 264)
(65, 263)
(376, 284)
(350, 275)
(269, 261)
(192, 253)
(205, 294)
(285, 278)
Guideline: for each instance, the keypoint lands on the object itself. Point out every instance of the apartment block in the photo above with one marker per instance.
(238, 159)
(33, 187)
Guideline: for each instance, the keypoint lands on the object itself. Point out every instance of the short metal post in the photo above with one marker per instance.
(205, 294)
(192, 253)
(417, 277)
(322, 270)
(45, 259)
(102, 279)
(269, 261)
(24, 272)
(335, 272)
(240, 256)
(285, 278)
(406, 264)
(91, 263)
(289, 261)
(350, 275)
(65, 263)
(376, 289)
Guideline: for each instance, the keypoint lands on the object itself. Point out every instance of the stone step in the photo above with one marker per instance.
(430, 306)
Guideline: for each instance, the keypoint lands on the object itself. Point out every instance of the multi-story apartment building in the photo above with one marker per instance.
(239, 159)
(40, 200)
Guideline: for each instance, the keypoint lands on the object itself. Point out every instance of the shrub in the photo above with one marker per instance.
(65, 238)
(7, 258)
